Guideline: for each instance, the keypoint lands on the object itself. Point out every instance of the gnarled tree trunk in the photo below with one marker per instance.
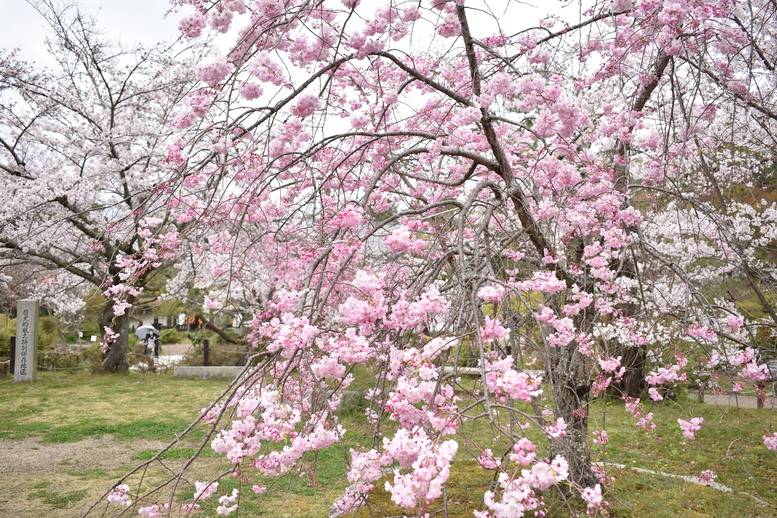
(571, 382)
(115, 360)
(633, 383)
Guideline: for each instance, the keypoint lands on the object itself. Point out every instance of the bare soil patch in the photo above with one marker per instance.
(32, 455)
(53, 480)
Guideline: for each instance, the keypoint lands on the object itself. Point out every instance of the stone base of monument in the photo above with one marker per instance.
(207, 372)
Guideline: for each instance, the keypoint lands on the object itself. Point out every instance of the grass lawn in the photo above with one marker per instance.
(71, 407)
(67, 438)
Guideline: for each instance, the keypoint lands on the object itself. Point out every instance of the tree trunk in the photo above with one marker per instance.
(106, 316)
(633, 383)
(115, 360)
(633, 357)
(571, 382)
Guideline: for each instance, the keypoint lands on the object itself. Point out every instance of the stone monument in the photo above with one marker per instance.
(26, 340)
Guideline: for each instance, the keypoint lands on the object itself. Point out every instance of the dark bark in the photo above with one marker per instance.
(115, 360)
(570, 379)
(633, 383)
(633, 358)
(209, 325)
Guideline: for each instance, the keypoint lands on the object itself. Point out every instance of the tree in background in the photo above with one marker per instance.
(82, 149)
(416, 184)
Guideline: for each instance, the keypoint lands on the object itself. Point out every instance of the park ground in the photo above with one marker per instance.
(67, 438)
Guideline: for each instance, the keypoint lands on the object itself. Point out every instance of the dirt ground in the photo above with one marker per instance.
(54, 480)
(61, 480)
(31, 455)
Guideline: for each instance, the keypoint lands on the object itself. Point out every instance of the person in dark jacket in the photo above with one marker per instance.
(148, 342)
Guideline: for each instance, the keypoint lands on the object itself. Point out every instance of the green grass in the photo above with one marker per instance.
(71, 407)
(139, 429)
(178, 453)
(637, 495)
(59, 501)
(63, 408)
(96, 474)
(729, 443)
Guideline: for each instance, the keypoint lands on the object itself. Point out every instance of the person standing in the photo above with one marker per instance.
(148, 343)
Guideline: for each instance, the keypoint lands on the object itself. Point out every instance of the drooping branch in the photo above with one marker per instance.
(52, 259)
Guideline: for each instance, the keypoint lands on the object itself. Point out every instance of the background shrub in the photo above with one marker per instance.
(170, 336)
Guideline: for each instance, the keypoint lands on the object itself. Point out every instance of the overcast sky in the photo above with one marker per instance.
(141, 21)
(144, 21)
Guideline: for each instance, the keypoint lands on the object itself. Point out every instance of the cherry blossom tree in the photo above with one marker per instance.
(416, 185)
(82, 150)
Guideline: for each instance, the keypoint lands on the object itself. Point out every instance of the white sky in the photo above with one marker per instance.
(142, 21)
(134, 21)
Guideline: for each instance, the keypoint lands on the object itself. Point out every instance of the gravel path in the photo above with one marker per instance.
(735, 400)
(175, 349)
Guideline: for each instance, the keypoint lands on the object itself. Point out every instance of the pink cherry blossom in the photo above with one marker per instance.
(771, 441)
(120, 495)
(305, 106)
(690, 427)
(492, 330)
(492, 293)
(487, 460)
(593, 499)
(214, 72)
(707, 476)
(154, 510)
